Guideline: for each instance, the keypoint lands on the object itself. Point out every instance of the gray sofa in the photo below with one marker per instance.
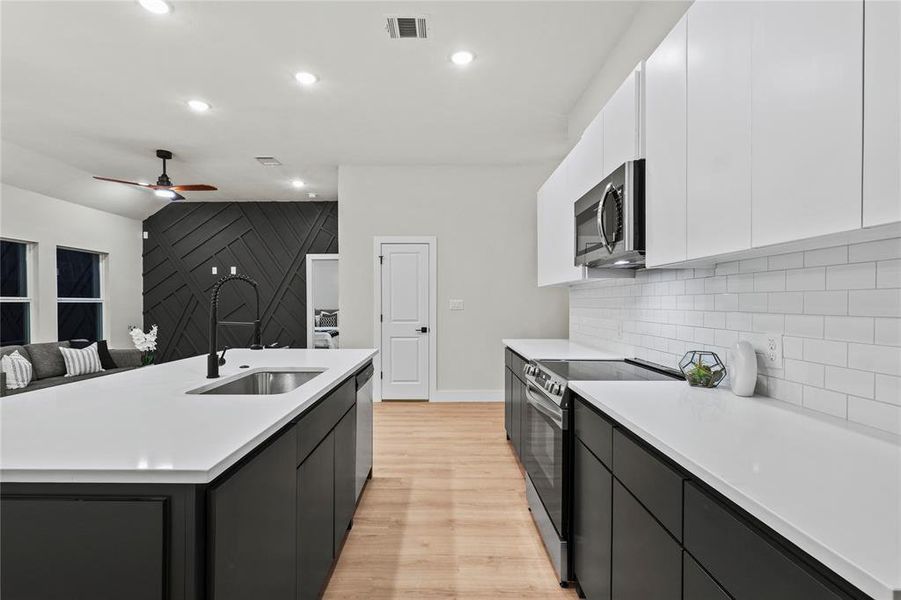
(49, 369)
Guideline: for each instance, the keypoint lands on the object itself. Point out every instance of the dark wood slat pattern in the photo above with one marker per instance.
(267, 241)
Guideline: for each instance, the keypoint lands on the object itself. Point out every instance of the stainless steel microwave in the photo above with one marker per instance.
(610, 220)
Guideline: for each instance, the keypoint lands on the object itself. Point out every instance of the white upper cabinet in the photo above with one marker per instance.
(585, 163)
(665, 149)
(806, 132)
(621, 117)
(719, 128)
(882, 113)
(556, 231)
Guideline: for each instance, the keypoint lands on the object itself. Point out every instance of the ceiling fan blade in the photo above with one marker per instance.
(121, 181)
(197, 187)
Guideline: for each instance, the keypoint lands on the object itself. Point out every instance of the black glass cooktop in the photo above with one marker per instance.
(602, 370)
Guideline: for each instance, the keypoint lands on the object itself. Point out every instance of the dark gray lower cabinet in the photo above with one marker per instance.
(514, 400)
(315, 519)
(345, 474)
(592, 524)
(252, 519)
(508, 401)
(647, 561)
(698, 585)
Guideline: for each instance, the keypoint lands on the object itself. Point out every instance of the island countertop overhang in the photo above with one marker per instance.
(142, 426)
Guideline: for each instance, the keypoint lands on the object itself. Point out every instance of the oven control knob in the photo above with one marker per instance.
(556, 389)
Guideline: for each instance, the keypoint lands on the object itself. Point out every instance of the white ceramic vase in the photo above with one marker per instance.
(743, 369)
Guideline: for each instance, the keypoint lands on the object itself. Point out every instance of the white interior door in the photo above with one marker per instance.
(405, 321)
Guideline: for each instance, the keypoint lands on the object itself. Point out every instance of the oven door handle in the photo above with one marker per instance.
(543, 407)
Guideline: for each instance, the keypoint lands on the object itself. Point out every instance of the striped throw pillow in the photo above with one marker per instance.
(81, 362)
(18, 370)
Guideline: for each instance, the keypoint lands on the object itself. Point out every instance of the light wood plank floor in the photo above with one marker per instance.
(445, 514)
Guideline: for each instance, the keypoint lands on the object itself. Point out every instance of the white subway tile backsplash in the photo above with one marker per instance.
(825, 401)
(806, 279)
(888, 332)
(804, 326)
(826, 352)
(878, 250)
(826, 256)
(875, 414)
(856, 276)
(888, 274)
(838, 310)
(888, 388)
(826, 303)
(879, 359)
(850, 329)
(772, 281)
(850, 381)
(875, 303)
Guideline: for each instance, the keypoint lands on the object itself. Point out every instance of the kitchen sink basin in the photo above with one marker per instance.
(261, 383)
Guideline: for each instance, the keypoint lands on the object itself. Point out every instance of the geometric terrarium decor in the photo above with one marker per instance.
(702, 368)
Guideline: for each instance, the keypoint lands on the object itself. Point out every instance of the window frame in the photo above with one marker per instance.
(103, 257)
(30, 280)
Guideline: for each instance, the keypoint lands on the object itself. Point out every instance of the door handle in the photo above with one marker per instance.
(422, 329)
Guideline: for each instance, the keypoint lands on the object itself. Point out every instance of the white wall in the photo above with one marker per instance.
(484, 221)
(50, 222)
(838, 310)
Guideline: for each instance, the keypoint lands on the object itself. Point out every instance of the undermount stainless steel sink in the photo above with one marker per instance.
(261, 383)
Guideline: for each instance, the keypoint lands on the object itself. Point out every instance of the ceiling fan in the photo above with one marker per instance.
(164, 187)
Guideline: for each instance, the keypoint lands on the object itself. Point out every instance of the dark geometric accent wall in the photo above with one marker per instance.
(267, 241)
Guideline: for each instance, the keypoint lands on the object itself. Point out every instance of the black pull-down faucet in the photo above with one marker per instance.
(212, 363)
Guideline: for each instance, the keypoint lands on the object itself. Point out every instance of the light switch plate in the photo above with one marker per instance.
(456, 304)
(234, 270)
(215, 270)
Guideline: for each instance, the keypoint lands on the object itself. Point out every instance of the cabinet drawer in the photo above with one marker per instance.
(655, 484)
(697, 584)
(741, 559)
(595, 431)
(647, 561)
(315, 425)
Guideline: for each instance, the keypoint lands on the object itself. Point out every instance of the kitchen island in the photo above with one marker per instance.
(139, 485)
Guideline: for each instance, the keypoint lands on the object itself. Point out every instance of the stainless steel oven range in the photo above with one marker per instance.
(546, 440)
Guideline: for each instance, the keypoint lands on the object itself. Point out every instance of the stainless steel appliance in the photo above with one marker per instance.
(546, 443)
(364, 428)
(610, 225)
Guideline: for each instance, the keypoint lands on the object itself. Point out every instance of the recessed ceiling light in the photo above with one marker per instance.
(157, 7)
(312, 195)
(304, 78)
(168, 194)
(298, 183)
(198, 105)
(462, 58)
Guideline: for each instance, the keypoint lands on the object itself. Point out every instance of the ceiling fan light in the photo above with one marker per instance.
(157, 7)
(167, 194)
(461, 58)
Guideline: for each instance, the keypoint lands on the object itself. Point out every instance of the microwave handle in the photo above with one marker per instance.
(601, 229)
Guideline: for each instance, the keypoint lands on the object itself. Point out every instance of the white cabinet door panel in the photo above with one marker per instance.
(882, 113)
(556, 231)
(585, 164)
(806, 127)
(719, 128)
(665, 141)
(620, 117)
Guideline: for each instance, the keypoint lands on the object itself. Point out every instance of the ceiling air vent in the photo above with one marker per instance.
(407, 27)
(268, 161)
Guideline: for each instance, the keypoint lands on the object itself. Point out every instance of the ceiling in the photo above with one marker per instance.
(93, 88)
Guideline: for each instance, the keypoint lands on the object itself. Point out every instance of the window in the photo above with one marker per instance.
(79, 299)
(15, 304)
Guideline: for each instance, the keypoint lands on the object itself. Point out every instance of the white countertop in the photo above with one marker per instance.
(558, 350)
(141, 427)
(831, 487)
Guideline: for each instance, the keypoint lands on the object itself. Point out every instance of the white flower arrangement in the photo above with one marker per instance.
(145, 342)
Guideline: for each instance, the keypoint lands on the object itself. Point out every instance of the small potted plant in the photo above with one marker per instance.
(702, 368)
(145, 342)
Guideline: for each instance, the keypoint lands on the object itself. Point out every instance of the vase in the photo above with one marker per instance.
(743, 369)
(147, 358)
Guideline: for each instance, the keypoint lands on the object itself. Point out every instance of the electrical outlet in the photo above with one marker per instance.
(456, 304)
(773, 350)
(215, 270)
